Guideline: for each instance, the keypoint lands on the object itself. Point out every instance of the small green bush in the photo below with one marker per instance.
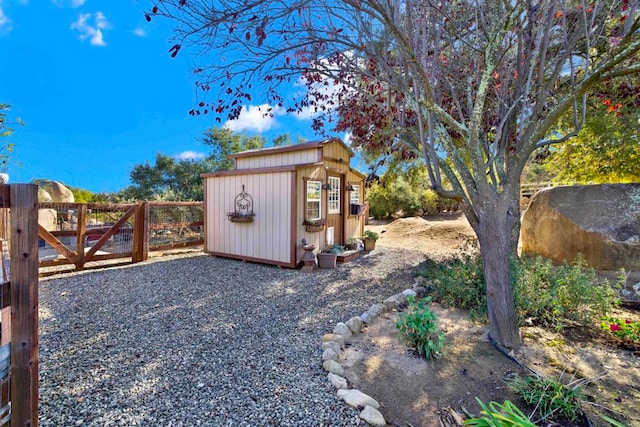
(370, 235)
(419, 328)
(405, 193)
(460, 283)
(545, 295)
(551, 398)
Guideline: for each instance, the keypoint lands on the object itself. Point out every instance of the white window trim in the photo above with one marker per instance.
(333, 191)
(351, 199)
(307, 200)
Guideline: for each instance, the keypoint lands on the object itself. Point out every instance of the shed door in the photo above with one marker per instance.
(334, 210)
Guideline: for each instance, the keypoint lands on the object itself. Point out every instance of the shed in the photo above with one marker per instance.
(275, 197)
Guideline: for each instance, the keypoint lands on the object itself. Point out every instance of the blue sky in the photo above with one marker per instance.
(99, 93)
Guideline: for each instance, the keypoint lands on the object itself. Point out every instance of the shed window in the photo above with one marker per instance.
(355, 194)
(313, 200)
(334, 195)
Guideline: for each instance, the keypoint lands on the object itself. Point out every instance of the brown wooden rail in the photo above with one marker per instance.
(135, 217)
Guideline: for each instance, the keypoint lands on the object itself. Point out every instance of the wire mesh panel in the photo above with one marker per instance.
(175, 225)
(78, 233)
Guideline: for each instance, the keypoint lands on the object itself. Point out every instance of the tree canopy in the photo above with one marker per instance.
(607, 148)
(473, 86)
(179, 179)
(6, 130)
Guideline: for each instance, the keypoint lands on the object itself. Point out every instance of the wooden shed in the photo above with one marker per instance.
(275, 197)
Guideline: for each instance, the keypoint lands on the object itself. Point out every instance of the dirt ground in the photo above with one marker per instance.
(414, 392)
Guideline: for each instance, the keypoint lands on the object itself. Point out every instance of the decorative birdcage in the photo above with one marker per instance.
(243, 208)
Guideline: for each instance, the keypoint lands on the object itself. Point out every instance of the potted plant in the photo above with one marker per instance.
(370, 238)
(313, 225)
(329, 255)
(352, 243)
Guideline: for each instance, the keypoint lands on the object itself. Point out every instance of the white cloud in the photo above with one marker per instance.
(190, 155)
(92, 32)
(348, 136)
(252, 119)
(326, 87)
(140, 32)
(5, 22)
(61, 3)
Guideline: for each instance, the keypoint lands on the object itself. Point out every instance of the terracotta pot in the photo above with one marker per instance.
(369, 245)
(327, 260)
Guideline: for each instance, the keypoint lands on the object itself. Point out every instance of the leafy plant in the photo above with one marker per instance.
(333, 249)
(624, 329)
(6, 131)
(352, 241)
(309, 221)
(459, 283)
(419, 328)
(551, 398)
(499, 415)
(544, 294)
(371, 235)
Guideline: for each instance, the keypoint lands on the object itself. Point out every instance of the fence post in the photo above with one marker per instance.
(24, 304)
(141, 233)
(81, 231)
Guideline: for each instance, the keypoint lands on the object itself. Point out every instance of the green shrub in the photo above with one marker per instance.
(551, 398)
(544, 294)
(419, 328)
(396, 193)
(497, 415)
(370, 235)
(460, 283)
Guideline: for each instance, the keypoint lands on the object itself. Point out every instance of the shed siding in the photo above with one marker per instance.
(354, 226)
(279, 159)
(268, 237)
(336, 151)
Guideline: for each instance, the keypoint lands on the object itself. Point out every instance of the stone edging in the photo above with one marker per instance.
(334, 343)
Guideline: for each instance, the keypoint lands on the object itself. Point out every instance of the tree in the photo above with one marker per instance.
(474, 86)
(167, 179)
(6, 130)
(223, 142)
(607, 149)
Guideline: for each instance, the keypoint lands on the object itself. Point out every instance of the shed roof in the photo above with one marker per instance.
(288, 148)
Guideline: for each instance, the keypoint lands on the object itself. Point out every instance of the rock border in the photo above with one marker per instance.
(333, 343)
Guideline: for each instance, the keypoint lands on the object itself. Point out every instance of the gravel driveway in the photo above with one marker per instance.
(197, 340)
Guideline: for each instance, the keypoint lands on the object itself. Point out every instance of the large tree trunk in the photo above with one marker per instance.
(494, 230)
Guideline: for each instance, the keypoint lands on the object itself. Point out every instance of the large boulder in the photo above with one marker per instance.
(600, 222)
(52, 191)
(57, 191)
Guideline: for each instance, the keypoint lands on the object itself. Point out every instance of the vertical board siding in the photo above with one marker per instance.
(279, 159)
(336, 151)
(319, 238)
(268, 236)
(354, 225)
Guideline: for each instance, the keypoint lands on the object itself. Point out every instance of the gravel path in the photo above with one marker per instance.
(202, 341)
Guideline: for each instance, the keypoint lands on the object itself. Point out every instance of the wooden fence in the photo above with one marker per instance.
(19, 303)
(79, 233)
(529, 189)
